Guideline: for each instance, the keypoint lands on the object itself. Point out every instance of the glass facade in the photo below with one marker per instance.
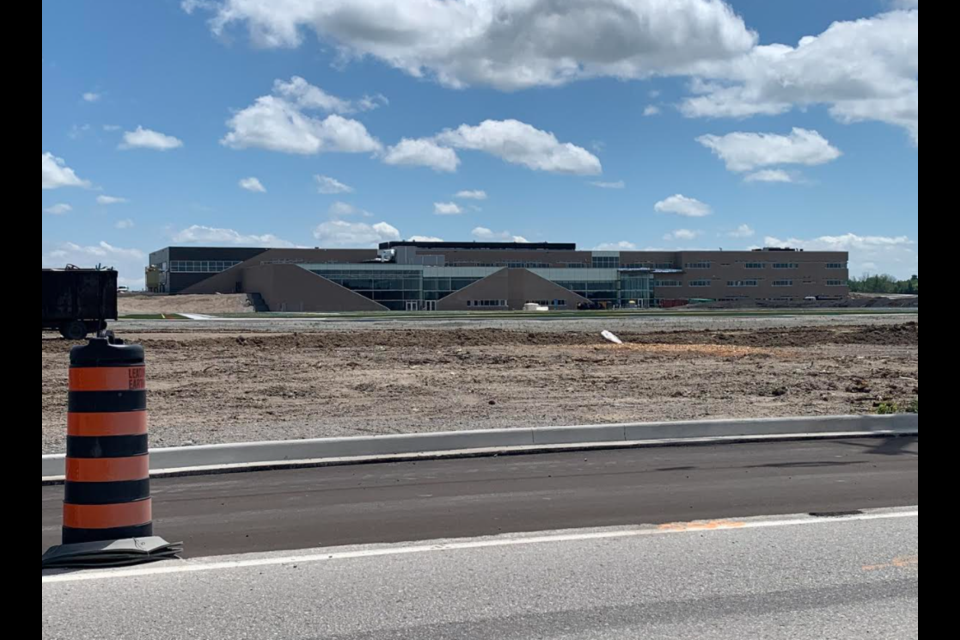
(386, 284)
(401, 287)
(200, 266)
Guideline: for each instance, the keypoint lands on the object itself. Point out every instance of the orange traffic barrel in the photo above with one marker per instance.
(107, 491)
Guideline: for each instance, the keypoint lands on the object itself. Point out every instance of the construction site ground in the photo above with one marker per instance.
(242, 380)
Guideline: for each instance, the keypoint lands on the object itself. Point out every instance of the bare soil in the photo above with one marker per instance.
(212, 388)
(133, 304)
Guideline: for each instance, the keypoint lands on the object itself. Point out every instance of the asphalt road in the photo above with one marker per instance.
(287, 510)
(802, 579)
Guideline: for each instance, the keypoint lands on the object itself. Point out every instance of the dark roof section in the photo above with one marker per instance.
(485, 246)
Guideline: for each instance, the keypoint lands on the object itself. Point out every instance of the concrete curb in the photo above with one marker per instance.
(233, 458)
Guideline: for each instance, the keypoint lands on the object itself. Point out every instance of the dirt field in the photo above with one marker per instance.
(132, 305)
(348, 380)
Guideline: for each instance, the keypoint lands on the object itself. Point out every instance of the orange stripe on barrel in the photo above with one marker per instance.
(108, 469)
(112, 516)
(105, 425)
(108, 379)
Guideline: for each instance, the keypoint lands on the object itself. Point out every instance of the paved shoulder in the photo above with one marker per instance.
(776, 579)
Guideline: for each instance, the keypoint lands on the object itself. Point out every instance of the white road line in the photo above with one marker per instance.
(674, 529)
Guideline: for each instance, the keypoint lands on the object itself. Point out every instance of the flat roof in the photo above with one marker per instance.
(484, 246)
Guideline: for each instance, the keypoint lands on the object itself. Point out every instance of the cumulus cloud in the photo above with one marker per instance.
(92, 97)
(652, 110)
(681, 205)
(522, 144)
(58, 209)
(308, 97)
(424, 239)
(55, 174)
(110, 200)
(770, 175)
(198, 234)
(750, 151)
(683, 235)
(894, 255)
(616, 246)
(422, 153)
(124, 225)
(283, 122)
(149, 139)
(488, 235)
(472, 195)
(345, 210)
(508, 44)
(743, 231)
(130, 263)
(331, 186)
(253, 185)
(620, 184)
(447, 209)
(861, 70)
(512, 141)
(339, 233)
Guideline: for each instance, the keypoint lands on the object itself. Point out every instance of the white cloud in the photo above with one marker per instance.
(91, 97)
(682, 234)
(447, 209)
(422, 153)
(743, 231)
(129, 263)
(253, 185)
(331, 186)
(472, 195)
(863, 70)
(509, 44)
(338, 233)
(124, 225)
(487, 235)
(610, 185)
(616, 246)
(519, 143)
(148, 139)
(110, 200)
(750, 151)
(683, 206)
(198, 234)
(652, 110)
(79, 131)
(424, 239)
(58, 210)
(55, 174)
(896, 255)
(344, 210)
(770, 175)
(282, 122)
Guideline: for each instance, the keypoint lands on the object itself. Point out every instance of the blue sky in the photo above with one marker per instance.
(629, 123)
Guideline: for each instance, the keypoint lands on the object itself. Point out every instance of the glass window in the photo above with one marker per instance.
(699, 265)
(786, 265)
(837, 265)
(701, 283)
(743, 283)
(783, 283)
(755, 265)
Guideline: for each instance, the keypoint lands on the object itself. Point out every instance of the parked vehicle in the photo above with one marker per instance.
(77, 302)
